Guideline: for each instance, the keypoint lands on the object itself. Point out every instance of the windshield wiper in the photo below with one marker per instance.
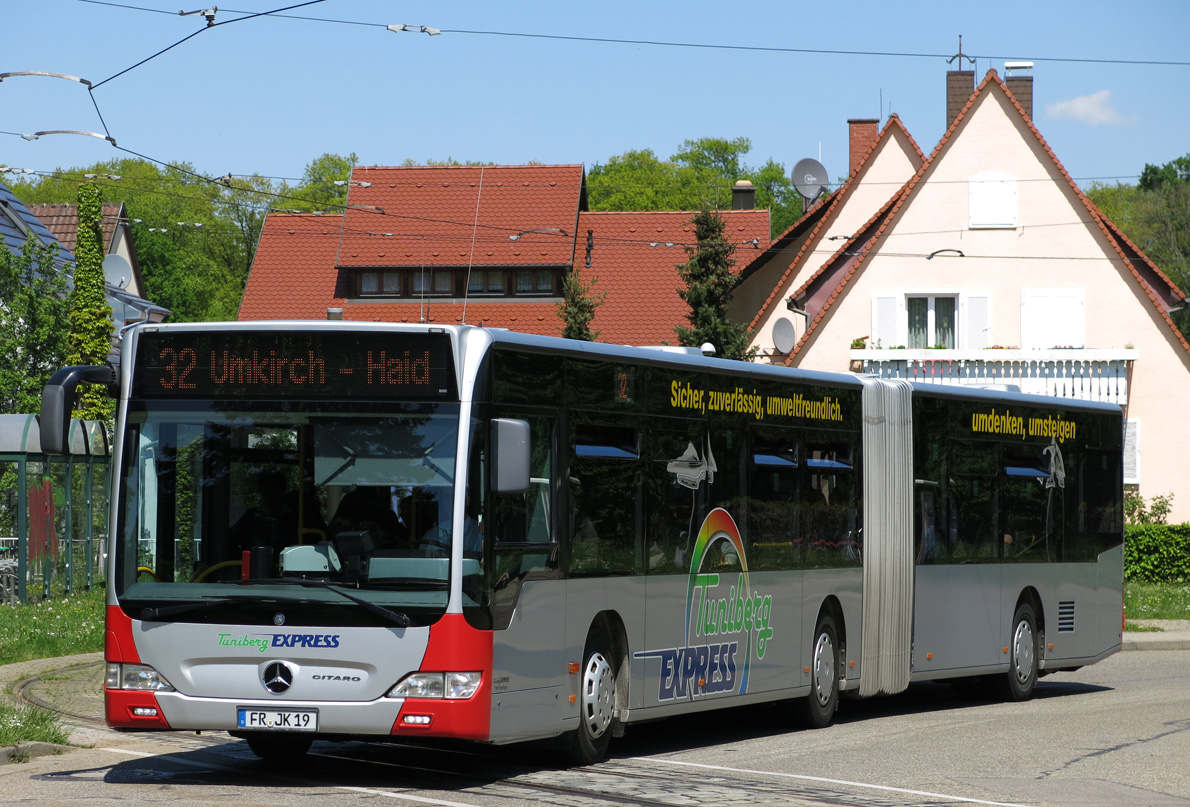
(395, 617)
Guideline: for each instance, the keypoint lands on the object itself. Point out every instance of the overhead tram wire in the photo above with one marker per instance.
(692, 45)
(251, 15)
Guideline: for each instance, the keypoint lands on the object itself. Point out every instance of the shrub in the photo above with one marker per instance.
(1157, 553)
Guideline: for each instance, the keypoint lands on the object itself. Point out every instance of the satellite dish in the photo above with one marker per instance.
(809, 177)
(117, 273)
(784, 337)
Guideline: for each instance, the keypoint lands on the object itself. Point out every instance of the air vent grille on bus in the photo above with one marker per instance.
(1066, 617)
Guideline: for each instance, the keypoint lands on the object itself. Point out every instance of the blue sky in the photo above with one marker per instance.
(503, 83)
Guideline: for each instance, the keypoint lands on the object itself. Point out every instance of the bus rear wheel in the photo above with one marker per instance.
(1017, 684)
(818, 708)
(597, 701)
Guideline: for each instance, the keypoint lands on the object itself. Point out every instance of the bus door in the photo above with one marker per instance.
(527, 602)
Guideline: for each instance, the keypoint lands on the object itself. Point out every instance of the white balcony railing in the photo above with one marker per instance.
(1086, 374)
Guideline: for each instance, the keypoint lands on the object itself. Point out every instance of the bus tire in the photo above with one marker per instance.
(1017, 684)
(597, 701)
(277, 747)
(818, 708)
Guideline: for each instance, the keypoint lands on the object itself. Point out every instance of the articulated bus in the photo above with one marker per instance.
(335, 529)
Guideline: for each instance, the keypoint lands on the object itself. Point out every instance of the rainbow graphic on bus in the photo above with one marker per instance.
(722, 612)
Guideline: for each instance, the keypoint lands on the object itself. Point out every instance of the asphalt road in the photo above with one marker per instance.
(1117, 733)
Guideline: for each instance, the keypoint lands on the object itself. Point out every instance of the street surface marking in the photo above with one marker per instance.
(825, 780)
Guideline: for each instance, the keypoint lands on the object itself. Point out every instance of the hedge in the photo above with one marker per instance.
(1157, 553)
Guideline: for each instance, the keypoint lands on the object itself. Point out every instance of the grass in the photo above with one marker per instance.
(1156, 600)
(23, 724)
(58, 626)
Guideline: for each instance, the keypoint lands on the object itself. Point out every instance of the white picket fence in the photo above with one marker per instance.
(1089, 375)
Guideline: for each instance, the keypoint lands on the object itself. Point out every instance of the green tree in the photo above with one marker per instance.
(195, 237)
(701, 174)
(709, 283)
(1155, 215)
(90, 315)
(578, 305)
(317, 190)
(34, 305)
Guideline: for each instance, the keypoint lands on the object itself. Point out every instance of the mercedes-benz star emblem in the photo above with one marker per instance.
(278, 619)
(278, 677)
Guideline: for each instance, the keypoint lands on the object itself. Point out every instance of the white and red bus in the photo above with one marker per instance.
(332, 529)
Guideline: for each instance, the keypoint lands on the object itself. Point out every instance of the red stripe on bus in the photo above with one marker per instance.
(454, 646)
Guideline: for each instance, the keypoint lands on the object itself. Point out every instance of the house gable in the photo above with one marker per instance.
(891, 160)
(1057, 240)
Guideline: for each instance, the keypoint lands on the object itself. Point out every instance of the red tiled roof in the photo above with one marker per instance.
(635, 258)
(462, 215)
(849, 263)
(293, 274)
(63, 221)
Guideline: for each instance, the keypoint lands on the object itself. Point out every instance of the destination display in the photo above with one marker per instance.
(294, 364)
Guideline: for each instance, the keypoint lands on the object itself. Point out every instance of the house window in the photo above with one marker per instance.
(433, 284)
(931, 321)
(992, 201)
(380, 284)
(486, 282)
(953, 320)
(532, 282)
(415, 284)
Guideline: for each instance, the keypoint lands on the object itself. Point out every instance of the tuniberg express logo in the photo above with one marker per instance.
(722, 611)
(263, 641)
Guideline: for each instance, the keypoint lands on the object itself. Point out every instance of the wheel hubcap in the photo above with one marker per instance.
(824, 668)
(598, 688)
(1023, 647)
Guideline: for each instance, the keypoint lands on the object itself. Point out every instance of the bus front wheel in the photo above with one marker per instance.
(818, 708)
(597, 701)
(1017, 684)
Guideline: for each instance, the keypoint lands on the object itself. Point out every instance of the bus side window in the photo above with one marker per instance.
(604, 485)
(519, 518)
(771, 527)
(829, 511)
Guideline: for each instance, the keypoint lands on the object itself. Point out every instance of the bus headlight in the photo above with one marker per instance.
(136, 677)
(451, 685)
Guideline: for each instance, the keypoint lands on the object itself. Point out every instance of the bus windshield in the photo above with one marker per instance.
(248, 505)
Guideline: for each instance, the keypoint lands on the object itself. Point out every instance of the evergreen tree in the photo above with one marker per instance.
(34, 304)
(90, 315)
(709, 283)
(578, 305)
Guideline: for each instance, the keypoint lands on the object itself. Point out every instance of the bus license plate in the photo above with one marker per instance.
(279, 719)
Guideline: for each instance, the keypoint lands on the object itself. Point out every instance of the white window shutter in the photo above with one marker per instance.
(976, 319)
(1053, 318)
(1131, 452)
(1069, 319)
(885, 322)
(992, 201)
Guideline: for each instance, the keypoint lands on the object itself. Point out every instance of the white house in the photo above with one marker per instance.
(986, 265)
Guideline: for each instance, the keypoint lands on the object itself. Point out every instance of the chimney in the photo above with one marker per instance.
(1019, 78)
(959, 86)
(862, 134)
(743, 196)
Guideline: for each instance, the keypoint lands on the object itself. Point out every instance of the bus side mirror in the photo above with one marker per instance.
(57, 402)
(510, 455)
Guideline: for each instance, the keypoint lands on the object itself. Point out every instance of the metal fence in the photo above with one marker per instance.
(53, 510)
